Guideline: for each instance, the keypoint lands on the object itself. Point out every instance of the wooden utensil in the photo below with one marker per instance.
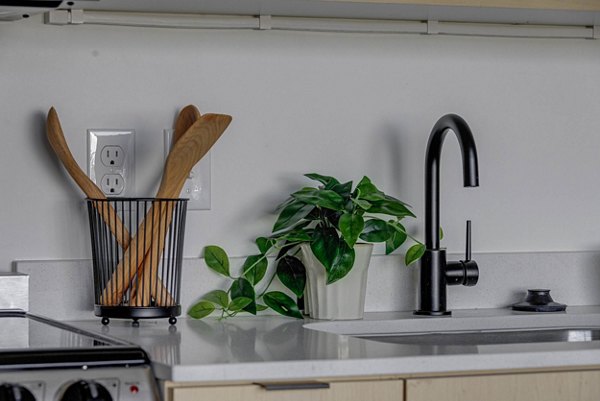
(188, 150)
(186, 118)
(58, 143)
(143, 292)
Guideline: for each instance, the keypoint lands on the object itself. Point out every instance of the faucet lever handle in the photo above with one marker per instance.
(468, 241)
(464, 272)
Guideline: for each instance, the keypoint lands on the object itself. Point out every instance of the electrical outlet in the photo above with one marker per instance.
(112, 184)
(197, 185)
(112, 156)
(111, 160)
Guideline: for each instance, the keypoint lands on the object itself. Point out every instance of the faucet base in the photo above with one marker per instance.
(432, 284)
(432, 313)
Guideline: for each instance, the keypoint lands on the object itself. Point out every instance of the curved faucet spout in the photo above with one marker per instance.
(459, 126)
(436, 272)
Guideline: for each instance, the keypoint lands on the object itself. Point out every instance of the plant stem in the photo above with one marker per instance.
(268, 285)
(401, 228)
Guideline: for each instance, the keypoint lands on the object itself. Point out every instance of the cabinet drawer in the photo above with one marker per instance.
(376, 390)
(555, 386)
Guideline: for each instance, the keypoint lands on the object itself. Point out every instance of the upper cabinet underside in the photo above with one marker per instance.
(560, 12)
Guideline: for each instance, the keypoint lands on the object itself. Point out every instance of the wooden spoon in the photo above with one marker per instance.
(144, 291)
(58, 143)
(188, 150)
(186, 118)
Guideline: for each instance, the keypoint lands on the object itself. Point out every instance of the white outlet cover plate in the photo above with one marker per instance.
(197, 185)
(124, 139)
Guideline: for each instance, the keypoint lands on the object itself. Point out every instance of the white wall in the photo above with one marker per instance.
(339, 104)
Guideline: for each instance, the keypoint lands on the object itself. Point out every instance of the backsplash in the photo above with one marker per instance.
(63, 288)
(340, 104)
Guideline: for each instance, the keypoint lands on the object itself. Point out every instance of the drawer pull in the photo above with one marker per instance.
(294, 386)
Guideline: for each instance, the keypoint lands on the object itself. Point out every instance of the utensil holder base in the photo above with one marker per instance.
(135, 313)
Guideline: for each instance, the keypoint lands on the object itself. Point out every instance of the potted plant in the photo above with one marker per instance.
(322, 235)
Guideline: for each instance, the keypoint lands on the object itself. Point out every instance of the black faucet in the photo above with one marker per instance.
(436, 273)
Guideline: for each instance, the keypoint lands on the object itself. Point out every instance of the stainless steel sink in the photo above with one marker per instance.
(489, 337)
(476, 330)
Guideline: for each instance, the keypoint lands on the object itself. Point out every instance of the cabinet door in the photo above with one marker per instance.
(561, 386)
(376, 390)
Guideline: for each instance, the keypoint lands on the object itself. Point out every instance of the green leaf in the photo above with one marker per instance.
(216, 258)
(363, 204)
(414, 253)
(261, 308)
(343, 190)
(315, 214)
(239, 304)
(390, 206)
(332, 216)
(254, 268)
(368, 191)
(282, 304)
(284, 204)
(284, 250)
(333, 252)
(320, 197)
(375, 231)
(329, 182)
(298, 236)
(342, 264)
(392, 199)
(200, 309)
(397, 238)
(292, 274)
(292, 214)
(351, 225)
(298, 233)
(441, 234)
(241, 288)
(264, 244)
(282, 235)
(324, 245)
(218, 297)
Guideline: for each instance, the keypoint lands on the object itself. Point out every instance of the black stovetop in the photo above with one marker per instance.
(30, 339)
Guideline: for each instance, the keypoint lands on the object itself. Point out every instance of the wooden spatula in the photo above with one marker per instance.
(58, 143)
(188, 150)
(146, 288)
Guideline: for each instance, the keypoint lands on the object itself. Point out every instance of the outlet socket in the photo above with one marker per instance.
(112, 156)
(197, 185)
(111, 160)
(112, 184)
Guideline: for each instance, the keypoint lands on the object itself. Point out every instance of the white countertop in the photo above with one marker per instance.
(270, 348)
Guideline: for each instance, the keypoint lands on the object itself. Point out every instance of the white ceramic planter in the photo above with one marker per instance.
(342, 300)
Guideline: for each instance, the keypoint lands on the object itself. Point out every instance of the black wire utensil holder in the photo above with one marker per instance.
(129, 284)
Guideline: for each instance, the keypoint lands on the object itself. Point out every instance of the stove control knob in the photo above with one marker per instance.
(13, 392)
(86, 390)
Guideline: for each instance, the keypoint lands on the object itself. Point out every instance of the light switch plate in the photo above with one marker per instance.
(197, 185)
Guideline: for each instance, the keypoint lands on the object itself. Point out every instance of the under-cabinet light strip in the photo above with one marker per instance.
(517, 31)
(267, 22)
(346, 25)
(191, 21)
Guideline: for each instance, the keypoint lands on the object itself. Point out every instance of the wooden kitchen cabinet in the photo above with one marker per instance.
(361, 390)
(551, 386)
(534, 386)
